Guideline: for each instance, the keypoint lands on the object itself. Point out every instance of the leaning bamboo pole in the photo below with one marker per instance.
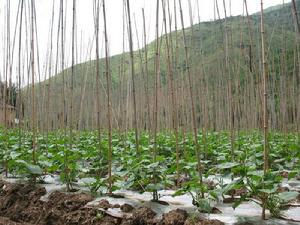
(171, 90)
(194, 125)
(135, 122)
(295, 13)
(19, 105)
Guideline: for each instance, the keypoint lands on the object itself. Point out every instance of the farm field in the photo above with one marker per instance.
(229, 179)
(136, 112)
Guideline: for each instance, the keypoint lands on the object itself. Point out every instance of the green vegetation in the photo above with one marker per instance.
(136, 173)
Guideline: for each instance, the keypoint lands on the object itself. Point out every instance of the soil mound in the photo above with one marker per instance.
(21, 204)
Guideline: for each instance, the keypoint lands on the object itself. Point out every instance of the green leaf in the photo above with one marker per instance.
(292, 175)
(268, 191)
(34, 169)
(227, 165)
(238, 202)
(288, 196)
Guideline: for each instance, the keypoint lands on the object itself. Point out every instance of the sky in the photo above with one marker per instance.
(114, 11)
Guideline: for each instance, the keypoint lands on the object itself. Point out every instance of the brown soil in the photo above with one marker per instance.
(20, 204)
(200, 221)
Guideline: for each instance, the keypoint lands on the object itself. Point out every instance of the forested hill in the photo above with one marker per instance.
(217, 89)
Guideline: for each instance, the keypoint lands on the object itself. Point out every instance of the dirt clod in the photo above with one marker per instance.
(174, 217)
(143, 216)
(126, 208)
(21, 204)
(104, 204)
(201, 221)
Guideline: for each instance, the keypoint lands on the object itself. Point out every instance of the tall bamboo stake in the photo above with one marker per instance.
(49, 80)
(265, 115)
(135, 122)
(63, 114)
(191, 96)
(33, 113)
(19, 106)
(97, 9)
(108, 80)
(171, 90)
(229, 84)
(157, 73)
(146, 71)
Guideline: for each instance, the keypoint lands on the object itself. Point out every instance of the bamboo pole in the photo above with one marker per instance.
(97, 11)
(171, 90)
(146, 71)
(199, 166)
(265, 112)
(155, 116)
(33, 113)
(135, 122)
(19, 105)
(108, 80)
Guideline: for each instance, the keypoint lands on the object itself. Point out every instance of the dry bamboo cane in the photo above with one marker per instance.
(171, 90)
(297, 27)
(296, 19)
(265, 112)
(97, 9)
(229, 85)
(4, 94)
(157, 70)
(204, 93)
(71, 133)
(146, 72)
(199, 166)
(49, 81)
(135, 122)
(63, 114)
(108, 80)
(19, 105)
(141, 61)
(33, 113)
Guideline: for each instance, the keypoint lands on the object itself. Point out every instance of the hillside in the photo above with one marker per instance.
(206, 44)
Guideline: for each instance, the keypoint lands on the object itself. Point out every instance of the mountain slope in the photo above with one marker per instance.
(206, 45)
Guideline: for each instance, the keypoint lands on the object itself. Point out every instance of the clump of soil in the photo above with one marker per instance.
(126, 208)
(21, 204)
(104, 204)
(200, 221)
(6, 221)
(174, 217)
(284, 174)
(143, 216)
